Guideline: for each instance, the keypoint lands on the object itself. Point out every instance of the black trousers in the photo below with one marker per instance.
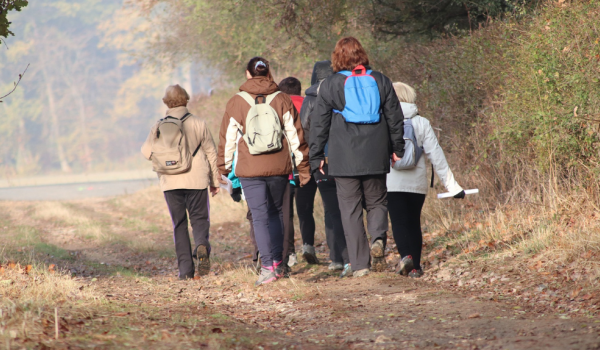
(305, 205)
(197, 205)
(334, 229)
(351, 192)
(405, 215)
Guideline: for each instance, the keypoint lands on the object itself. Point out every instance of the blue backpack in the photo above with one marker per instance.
(363, 103)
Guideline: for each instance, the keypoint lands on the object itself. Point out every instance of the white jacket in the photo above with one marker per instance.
(415, 180)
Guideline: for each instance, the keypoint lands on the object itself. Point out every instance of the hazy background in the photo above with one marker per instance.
(86, 102)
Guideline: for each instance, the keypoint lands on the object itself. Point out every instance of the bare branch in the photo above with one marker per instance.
(15, 83)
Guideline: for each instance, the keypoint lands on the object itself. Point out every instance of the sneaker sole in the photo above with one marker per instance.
(311, 259)
(406, 269)
(377, 251)
(378, 264)
(272, 279)
(203, 261)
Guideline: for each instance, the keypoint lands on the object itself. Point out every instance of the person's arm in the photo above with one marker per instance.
(207, 144)
(227, 142)
(305, 111)
(295, 135)
(147, 146)
(319, 126)
(436, 156)
(393, 115)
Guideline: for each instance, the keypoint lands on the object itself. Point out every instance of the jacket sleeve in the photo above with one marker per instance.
(436, 156)
(320, 125)
(209, 148)
(305, 111)
(227, 141)
(295, 135)
(394, 116)
(147, 146)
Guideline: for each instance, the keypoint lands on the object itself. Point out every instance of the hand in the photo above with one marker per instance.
(395, 158)
(221, 181)
(214, 190)
(460, 195)
(321, 167)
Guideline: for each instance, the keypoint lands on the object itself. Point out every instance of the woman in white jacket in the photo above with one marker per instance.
(407, 188)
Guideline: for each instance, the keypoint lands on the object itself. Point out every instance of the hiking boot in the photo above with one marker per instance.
(267, 275)
(360, 273)
(309, 254)
(416, 273)
(281, 270)
(335, 266)
(378, 264)
(405, 265)
(377, 249)
(292, 260)
(203, 260)
(347, 271)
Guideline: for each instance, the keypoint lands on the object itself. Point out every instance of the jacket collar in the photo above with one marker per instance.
(259, 86)
(176, 112)
(409, 110)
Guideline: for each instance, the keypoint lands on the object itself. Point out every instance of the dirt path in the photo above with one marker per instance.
(145, 306)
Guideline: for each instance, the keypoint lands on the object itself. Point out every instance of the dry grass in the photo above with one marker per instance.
(29, 296)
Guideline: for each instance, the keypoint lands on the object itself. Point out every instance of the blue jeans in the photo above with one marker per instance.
(264, 196)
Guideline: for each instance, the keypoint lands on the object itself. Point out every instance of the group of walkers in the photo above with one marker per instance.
(356, 137)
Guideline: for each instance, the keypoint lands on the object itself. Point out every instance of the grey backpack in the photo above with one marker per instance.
(412, 151)
(263, 127)
(170, 152)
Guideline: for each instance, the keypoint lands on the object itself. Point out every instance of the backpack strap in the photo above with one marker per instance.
(432, 176)
(246, 96)
(271, 97)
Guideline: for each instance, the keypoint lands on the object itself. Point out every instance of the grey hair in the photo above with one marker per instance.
(405, 92)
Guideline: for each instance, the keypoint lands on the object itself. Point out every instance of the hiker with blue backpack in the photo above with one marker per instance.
(334, 230)
(359, 118)
(263, 125)
(407, 182)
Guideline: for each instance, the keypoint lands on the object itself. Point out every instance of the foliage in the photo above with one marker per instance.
(435, 17)
(5, 7)
(84, 105)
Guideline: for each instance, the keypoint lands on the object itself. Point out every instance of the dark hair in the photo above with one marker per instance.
(291, 86)
(348, 54)
(260, 69)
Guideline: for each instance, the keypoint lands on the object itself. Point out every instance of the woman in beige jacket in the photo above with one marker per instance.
(189, 190)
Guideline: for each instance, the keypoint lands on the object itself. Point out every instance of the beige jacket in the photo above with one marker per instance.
(204, 170)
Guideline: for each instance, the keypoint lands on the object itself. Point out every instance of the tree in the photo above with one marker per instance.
(5, 7)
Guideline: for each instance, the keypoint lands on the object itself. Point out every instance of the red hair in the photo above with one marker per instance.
(348, 54)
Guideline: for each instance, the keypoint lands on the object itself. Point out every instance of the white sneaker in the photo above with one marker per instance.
(334, 266)
(292, 260)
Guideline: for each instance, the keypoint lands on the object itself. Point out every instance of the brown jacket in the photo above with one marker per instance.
(268, 164)
(204, 171)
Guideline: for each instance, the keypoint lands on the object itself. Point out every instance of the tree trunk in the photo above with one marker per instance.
(55, 129)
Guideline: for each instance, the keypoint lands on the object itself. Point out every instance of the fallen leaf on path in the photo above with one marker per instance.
(121, 314)
(475, 315)
(382, 339)
(28, 268)
(411, 321)
(217, 330)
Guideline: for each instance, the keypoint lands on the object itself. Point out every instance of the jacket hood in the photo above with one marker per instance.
(259, 86)
(321, 70)
(312, 90)
(409, 110)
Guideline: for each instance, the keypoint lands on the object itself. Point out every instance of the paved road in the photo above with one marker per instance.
(74, 191)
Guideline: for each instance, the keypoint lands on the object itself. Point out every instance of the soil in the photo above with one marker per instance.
(314, 308)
